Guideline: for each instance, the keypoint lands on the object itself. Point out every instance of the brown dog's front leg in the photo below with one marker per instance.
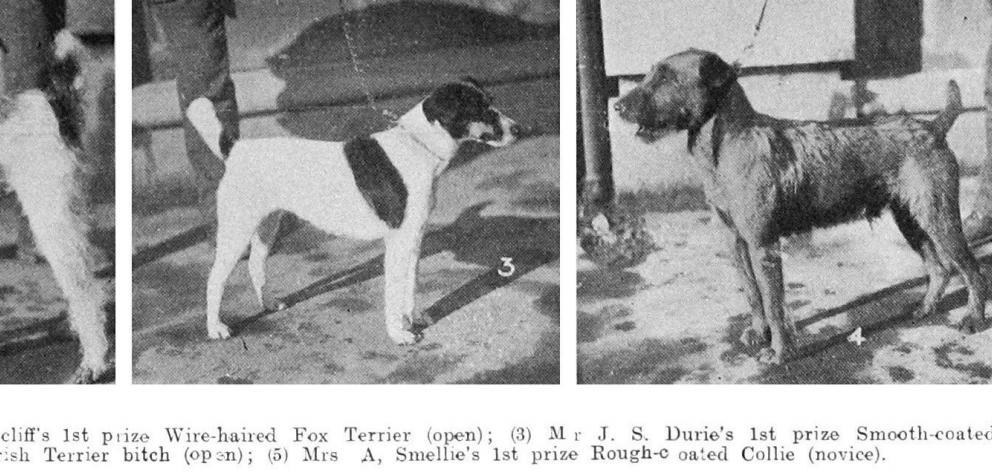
(757, 334)
(767, 260)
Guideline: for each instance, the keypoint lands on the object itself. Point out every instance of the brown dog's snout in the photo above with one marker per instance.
(630, 104)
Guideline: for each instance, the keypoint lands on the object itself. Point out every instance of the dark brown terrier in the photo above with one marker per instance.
(766, 177)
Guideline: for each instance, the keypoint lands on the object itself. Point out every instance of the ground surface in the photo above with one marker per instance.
(677, 317)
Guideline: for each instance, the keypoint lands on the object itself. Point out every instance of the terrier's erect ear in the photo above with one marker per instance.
(716, 73)
(437, 110)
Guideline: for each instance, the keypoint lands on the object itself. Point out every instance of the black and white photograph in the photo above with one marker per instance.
(56, 191)
(784, 192)
(345, 191)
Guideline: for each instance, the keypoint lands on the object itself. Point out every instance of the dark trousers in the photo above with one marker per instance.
(197, 38)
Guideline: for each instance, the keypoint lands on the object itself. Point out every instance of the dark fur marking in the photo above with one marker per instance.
(227, 141)
(456, 105)
(805, 207)
(717, 139)
(908, 226)
(56, 81)
(377, 178)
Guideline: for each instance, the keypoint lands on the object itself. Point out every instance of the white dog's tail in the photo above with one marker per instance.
(202, 114)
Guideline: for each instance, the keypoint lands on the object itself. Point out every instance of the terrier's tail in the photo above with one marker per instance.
(943, 122)
(202, 114)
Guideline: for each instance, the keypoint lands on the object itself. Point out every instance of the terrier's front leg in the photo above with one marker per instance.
(402, 257)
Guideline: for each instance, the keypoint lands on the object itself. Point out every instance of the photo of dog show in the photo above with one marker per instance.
(352, 191)
(56, 191)
(784, 192)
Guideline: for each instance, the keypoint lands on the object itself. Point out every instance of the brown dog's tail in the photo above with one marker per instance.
(945, 119)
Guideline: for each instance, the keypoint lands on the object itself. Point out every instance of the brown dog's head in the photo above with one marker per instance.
(681, 92)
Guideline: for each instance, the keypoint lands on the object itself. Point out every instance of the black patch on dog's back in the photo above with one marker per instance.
(377, 178)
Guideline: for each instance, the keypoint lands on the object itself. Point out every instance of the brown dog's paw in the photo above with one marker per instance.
(753, 338)
(772, 356)
(971, 325)
(923, 311)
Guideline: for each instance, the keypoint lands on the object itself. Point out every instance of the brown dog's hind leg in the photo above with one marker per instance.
(943, 226)
(938, 277)
(758, 334)
(767, 262)
(954, 248)
(938, 273)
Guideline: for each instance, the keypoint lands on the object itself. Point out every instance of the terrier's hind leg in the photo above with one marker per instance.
(233, 235)
(256, 268)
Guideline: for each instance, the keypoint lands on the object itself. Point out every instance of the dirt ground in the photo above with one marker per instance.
(677, 317)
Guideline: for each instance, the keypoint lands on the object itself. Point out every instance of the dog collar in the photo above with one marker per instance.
(413, 137)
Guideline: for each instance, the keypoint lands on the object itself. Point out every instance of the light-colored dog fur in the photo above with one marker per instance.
(313, 180)
(41, 169)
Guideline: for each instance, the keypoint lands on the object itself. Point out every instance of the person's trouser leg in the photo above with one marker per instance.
(197, 39)
(24, 26)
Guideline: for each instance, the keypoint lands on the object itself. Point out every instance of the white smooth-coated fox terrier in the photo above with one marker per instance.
(374, 187)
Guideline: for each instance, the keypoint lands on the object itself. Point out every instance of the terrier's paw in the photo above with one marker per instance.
(273, 304)
(753, 338)
(218, 331)
(404, 337)
(417, 322)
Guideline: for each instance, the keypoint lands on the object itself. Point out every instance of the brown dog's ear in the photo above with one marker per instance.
(716, 73)
(471, 81)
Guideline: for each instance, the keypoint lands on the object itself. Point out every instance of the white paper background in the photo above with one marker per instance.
(497, 408)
